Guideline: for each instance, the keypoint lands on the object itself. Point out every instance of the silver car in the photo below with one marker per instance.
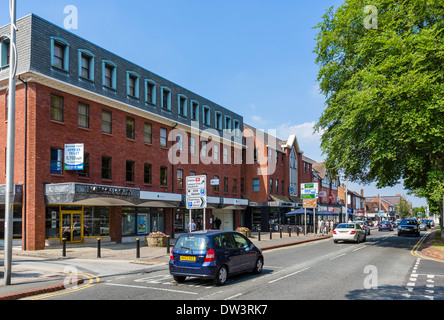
(349, 232)
(364, 225)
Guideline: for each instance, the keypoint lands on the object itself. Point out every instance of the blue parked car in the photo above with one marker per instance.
(385, 225)
(214, 255)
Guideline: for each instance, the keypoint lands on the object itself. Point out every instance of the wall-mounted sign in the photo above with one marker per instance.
(74, 156)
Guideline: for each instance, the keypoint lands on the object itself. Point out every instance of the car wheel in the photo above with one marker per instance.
(179, 279)
(259, 266)
(365, 238)
(221, 276)
(335, 241)
(358, 240)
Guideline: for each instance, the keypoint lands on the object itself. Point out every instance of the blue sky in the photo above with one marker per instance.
(253, 57)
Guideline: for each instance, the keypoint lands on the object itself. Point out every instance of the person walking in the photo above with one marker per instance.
(192, 226)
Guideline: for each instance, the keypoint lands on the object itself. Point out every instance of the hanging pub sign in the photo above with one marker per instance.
(74, 156)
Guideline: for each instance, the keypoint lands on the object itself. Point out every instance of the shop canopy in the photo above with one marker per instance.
(327, 213)
(296, 212)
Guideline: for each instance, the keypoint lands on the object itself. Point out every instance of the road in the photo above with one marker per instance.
(385, 267)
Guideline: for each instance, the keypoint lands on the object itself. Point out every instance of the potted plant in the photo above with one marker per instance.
(245, 231)
(157, 239)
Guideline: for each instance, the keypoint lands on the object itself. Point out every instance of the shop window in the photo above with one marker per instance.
(16, 224)
(52, 222)
(137, 221)
(96, 221)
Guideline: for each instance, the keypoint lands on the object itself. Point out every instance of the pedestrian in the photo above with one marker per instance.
(192, 226)
(331, 225)
(320, 226)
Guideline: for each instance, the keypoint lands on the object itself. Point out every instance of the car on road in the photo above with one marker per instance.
(423, 225)
(365, 226)
(214, 254)
(349, 232)
(385, 225)
(410, 227)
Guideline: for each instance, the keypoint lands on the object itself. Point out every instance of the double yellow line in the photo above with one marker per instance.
(415, 250)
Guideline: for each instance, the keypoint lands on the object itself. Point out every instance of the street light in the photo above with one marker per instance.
(10, 145)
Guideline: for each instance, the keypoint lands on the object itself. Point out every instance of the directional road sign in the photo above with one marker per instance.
(196, 192)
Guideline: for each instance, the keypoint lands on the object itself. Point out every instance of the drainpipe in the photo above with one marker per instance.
(25, 166)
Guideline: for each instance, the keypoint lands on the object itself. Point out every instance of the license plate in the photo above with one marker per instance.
(188, 258)
(343, 231)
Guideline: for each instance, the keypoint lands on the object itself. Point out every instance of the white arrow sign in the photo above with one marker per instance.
(196, 192)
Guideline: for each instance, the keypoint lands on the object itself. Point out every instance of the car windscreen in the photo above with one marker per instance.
(346, 226)
(192, 242)
(385, 222)
(408, 222)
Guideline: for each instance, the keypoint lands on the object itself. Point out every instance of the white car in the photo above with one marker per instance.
(349, 232)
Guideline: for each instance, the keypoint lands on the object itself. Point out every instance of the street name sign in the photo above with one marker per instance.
(196, 197)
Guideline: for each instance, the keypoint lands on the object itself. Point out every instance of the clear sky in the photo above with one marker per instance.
(253, 57)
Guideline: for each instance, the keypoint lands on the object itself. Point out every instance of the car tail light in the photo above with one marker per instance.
(334, 232)
(352, 232)
(172, 257)
(210, 256)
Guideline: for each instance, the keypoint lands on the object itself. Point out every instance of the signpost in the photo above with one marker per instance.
(196, 197)
(309, 196)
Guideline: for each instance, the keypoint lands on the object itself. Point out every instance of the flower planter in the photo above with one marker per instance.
(246, 233)
(156, 241)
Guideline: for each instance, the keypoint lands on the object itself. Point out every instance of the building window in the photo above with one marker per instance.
(106, 167)
(271, 185)
(255, 184)
(228, 123)
(57, 160)
(86, 65)
(192, 145)
(147, 173)
(107, 121)
(179, 144)
(192, 173)
(216, 152)
(132, 80)
(206, 115)
(150, 92)
(277, 186)
(225, 184)
(163, 137)
(165, 95)
(163, 176)
(130, 171)
(234, 185)
(147, 133)
(83, 115)
(130, 128)
(56, 108)
(203, 152)
(226, 155)
(4, 53)
(59, 53)
(236, 128)
(216, 186)
(218, 120)
(242, 185)
(194, 110)
(180, 178)
(109, 74)
(85, 172)
(182, 105)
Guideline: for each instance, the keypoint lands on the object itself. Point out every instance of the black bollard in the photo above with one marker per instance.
(289, 231)
(259, 234)
(168, 244)
(99, 255)
(271, 234)
(64, 247)
(138, 248)
(297, 231)
(281, 231)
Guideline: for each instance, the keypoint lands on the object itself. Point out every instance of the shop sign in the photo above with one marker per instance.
(112, 191)
(74, 156)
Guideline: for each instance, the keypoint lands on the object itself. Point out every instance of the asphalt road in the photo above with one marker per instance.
(384, 267)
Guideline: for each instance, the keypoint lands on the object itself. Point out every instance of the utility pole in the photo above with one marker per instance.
(10, 148)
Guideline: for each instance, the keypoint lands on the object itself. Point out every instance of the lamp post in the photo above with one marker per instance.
(10, 147)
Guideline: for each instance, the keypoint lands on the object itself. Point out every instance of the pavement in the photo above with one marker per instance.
(28, 281)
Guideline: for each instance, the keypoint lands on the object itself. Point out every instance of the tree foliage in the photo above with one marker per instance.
(384, 88)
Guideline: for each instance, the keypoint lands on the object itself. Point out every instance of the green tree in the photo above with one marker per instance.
(384, 88)
(402, 208)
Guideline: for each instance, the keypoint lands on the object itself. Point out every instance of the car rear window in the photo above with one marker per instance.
(408, 222)
(192, 242)
(346, 226)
